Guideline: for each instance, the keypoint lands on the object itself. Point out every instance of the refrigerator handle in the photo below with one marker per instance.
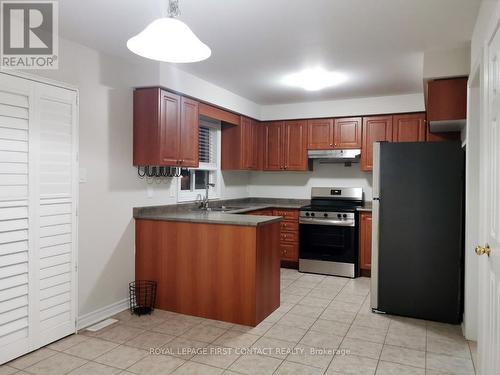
(375, 254)
(376, 170)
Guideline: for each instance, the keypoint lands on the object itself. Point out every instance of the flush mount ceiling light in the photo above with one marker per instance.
(169, 39)
(314, 79)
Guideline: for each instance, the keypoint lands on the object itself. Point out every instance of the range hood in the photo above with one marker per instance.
(335, 156)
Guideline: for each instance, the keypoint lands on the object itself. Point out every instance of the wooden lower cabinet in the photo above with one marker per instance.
(289, 252)
(289, 235)
(264, 212)
(222, 272)
(365, 243)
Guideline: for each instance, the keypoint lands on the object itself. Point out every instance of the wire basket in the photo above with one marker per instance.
(142, 296)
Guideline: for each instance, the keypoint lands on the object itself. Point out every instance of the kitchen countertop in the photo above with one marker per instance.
(188, 212)
(366, 207)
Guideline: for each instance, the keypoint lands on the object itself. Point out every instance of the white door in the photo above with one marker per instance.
(38, 227)
(489, 266)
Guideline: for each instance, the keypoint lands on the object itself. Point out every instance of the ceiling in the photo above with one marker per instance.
(379, 44)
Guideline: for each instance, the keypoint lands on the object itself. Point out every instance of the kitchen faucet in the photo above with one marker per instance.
(204, 202)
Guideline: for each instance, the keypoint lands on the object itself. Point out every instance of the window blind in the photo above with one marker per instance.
(207, 145)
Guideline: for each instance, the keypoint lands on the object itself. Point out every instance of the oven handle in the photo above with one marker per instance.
(337, 223)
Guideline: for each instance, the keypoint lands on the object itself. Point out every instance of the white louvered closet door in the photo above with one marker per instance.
(38, 227)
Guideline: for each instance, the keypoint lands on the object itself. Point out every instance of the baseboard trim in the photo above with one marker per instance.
(101, 314)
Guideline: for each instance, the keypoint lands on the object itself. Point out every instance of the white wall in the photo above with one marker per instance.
(298, 184)
(452, 62)
(188, 84)
(346, 107)
(489, 13)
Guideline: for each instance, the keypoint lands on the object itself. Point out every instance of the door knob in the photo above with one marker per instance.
(483, 250)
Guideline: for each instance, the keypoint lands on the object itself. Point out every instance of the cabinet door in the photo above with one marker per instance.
(295, 144)
(447, 99)
(365, 241)
(256, 147)
(289, 252)
(273, 155)
(170, 120)
(409, 128)
(248, 144)
(188, 148)
(375, 129)
(320, 134)
(347, 133)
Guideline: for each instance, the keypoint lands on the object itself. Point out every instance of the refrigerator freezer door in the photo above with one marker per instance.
(375, 248)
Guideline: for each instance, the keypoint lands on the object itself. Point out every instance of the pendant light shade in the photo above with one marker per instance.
(170, 40)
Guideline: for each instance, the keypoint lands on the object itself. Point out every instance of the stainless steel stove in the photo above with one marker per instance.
(329, 232)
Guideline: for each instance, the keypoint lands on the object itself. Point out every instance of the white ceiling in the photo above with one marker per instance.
(378, 43)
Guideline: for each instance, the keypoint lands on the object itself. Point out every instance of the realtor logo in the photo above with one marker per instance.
(29, 35)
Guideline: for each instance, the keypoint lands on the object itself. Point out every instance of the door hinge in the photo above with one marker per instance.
(76, 267)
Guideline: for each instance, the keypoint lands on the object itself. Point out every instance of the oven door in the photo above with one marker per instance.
(328, 248)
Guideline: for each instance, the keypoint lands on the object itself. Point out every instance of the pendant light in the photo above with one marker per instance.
(169, 39)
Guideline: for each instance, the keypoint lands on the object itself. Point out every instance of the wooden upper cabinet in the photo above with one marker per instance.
(189, 130)
(320, 134)
(295, 146)
(375, 129)
(249, 143)
(286, 146)
(220, 114)
(365, 241)
(347, 133)
(240, 145)
(165, 129)
(273, 143)
(447, 99)
(329, 134)
(169, 127)
(409, 128)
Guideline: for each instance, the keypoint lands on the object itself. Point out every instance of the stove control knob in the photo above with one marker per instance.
(344, 216)
(312, 213)
(339, 216)
(307, 213)
(325, 215)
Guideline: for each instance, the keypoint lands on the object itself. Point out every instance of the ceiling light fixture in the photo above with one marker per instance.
(169, 39)
(314, 79)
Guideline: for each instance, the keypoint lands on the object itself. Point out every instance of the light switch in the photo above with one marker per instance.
(83, 175)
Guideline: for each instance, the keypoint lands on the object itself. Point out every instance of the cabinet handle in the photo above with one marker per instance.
(331, 144)
(286, 166)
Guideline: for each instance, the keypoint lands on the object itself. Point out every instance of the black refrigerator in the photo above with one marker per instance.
(417, 238)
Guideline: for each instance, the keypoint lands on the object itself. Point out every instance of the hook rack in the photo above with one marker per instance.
(153, 171)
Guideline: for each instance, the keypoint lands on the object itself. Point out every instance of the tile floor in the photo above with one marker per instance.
(324, 326)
